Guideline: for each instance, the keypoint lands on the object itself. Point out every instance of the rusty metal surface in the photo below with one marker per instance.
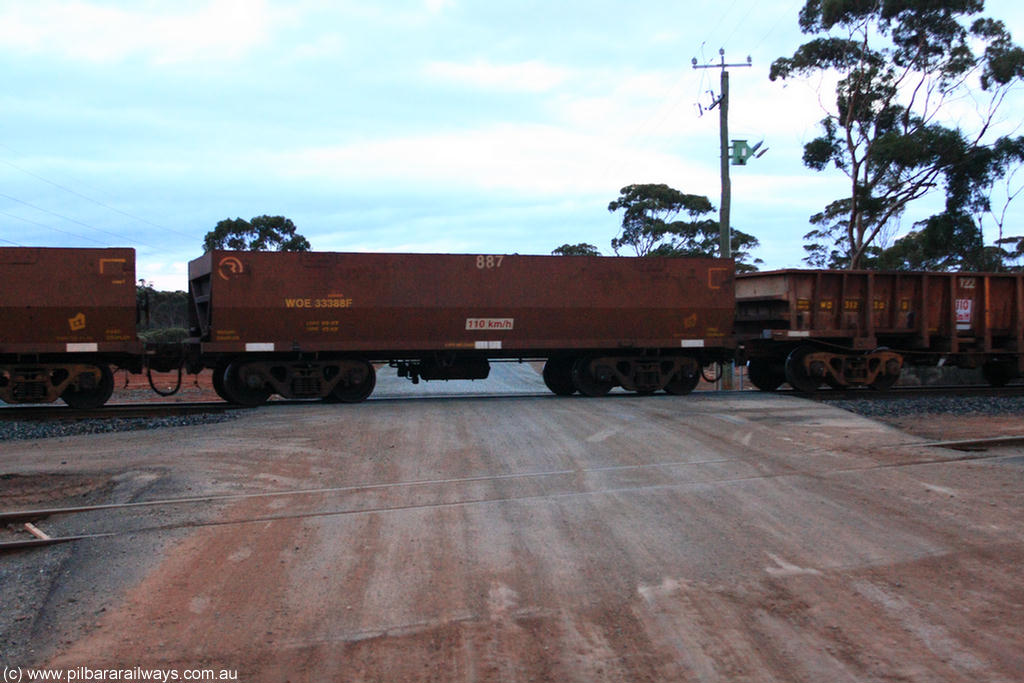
(955, 312)
(67, 300)
(493, 303)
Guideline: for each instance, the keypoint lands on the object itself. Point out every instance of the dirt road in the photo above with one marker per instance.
(703, 538)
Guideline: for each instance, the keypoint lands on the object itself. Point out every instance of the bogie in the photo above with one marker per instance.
(82, 386)
(251, 383)
(597, 375)
(91, 389)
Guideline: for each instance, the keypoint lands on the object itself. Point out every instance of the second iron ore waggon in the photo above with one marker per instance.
(66, 316)
(314, 325)
(857, 328)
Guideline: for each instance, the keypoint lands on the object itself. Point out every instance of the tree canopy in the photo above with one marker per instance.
(581, 249)
(905, 69)
(166, 316)
(262, 233)
(651, 225)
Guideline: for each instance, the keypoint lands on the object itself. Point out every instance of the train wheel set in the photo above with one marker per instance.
(850, 329)
(251, 382)
(807, 368)
(598, 375)
(82, 386)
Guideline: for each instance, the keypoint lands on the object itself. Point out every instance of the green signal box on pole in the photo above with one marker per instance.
(741, 151)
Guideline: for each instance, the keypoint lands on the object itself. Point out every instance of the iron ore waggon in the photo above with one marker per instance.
(66, 315)
(856, 328)
(314, 325)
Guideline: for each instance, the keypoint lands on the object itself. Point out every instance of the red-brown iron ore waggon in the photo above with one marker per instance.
(850, 328)
(313, 325)
(66, 316)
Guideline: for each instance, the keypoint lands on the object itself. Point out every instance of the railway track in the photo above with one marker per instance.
(159, 409)
(362, 499)
(827, 394)
(50, 412)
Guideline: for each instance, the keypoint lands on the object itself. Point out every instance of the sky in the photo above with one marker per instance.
(449, 126)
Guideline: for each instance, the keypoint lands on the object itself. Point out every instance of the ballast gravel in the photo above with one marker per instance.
(886, 408)
(43, 429)
(933, 405)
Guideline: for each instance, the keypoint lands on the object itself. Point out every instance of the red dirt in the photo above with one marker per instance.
(712, 538)
(131, 388)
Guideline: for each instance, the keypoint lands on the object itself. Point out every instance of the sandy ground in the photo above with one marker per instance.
(947, 428)
(703, 538)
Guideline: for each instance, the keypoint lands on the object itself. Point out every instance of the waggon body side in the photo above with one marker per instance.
(965, 319)
(66, 315)
(429, 312)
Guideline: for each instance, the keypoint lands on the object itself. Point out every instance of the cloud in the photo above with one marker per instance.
(518, 157)
(218, 29)
(530, 76)
(434, 6)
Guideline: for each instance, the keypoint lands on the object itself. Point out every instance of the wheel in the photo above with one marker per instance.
(766, 375)
(886, 380)
(358, 384)
(558, 376)
(237, 388)
(797, 375)
(834, 383)
(87, 399)
(585, 382)
(217, 375)
(683, 382)
(998, 373)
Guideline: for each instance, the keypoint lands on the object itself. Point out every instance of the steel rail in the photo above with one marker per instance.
(785, 473)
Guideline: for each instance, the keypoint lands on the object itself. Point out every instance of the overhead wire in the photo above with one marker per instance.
(787, 14)
(50, 227)
(736, 27)
(782, 16)
(670, 101)
(81, 195)
(721, 18)
(75, 221)
(88, 198)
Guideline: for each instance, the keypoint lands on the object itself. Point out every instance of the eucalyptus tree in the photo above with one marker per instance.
(262, 233)
(581, 249)
(919, 87)
(651, 225)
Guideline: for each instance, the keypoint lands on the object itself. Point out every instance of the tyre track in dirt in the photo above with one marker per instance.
(781, 542)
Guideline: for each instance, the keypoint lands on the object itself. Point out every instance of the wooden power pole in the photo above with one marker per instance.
(725, 244)
(723, 124)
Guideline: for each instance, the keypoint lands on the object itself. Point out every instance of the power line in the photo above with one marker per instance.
(77, 222)
(655, 117)
(50, 227)
(721, 18)
(782, 16)
(86, 197)
(736, 27)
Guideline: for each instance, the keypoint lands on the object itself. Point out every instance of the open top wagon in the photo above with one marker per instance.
(850, 328)
(313, 325)
(66, 315)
